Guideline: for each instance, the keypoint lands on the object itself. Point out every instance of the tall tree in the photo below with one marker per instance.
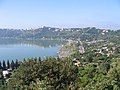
(39, 59)
(16, 64)
(8, 64)
(12, 65)
(0, 65)
(4, 65)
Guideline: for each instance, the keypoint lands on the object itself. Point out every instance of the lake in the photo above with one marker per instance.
(22, 50)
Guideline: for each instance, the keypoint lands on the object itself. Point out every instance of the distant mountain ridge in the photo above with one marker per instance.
(31, 33)
(58, 33)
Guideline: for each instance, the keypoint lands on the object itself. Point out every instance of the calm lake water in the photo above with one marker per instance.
(21, 51)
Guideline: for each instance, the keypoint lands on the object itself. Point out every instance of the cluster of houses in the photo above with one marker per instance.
(69, 48)
(104, 31)
(105, 50)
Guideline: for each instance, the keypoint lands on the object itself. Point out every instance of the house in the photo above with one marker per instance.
(6, 73)
(76, 62)
(81, 49)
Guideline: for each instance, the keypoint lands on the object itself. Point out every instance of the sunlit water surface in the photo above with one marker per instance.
(21, 51)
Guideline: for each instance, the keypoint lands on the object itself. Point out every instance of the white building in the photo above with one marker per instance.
(5, 73)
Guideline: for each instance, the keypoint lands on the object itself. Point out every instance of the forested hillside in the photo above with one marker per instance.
(84, 34)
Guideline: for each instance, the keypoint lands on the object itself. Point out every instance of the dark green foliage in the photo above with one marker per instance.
(4, 65)
(57, 74)
(8, 64)
(1, 65)
(16, 64)
(12, 65)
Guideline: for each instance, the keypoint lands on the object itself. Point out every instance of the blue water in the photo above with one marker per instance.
(21, 51)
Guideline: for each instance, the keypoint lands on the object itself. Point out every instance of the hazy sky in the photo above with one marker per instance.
(59, 13)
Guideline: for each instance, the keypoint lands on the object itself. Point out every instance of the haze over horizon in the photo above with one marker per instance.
(24, 14)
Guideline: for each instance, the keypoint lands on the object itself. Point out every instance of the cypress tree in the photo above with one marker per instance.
(4, 65)
(39, 59)
(8, 64)
(0, 65)
(16, 64)
(12, 65)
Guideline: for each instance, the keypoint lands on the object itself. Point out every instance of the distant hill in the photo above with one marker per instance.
(84, 34)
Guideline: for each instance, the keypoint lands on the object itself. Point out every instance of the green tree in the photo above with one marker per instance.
(1, 65)
(8, 64)
(12, 65)
(4, 65)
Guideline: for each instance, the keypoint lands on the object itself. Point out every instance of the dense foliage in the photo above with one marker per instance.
(56, 74)
(50, 74)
